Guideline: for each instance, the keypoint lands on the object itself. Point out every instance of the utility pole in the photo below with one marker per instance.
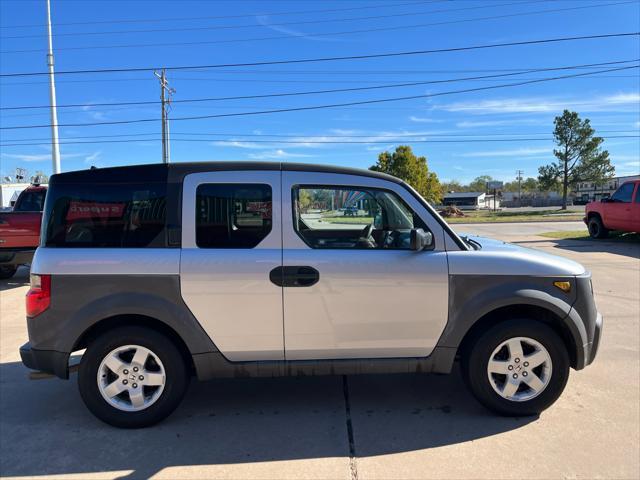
(55, 147)
(165, 100)
(519, 177)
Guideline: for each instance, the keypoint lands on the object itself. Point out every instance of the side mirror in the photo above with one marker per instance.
(421, 240)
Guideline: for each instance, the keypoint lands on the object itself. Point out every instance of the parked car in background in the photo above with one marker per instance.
(620, 212)
(162, 272)
(20, 230)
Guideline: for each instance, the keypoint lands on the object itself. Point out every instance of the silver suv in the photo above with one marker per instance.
(162, 272)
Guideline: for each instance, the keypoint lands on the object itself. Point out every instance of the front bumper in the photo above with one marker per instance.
(16, 257)
(592, 348)
(49, 361)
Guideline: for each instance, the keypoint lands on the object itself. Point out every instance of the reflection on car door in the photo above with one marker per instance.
(367, 301)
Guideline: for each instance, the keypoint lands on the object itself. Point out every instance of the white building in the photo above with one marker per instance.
(9, 193)
(588, 191)
(470, 200)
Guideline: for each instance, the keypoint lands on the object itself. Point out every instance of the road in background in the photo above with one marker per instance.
(404, 426)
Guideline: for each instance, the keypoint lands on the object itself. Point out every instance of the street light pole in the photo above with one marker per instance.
(55, 146)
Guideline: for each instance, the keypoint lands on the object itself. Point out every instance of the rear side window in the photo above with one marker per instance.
(106, 215)
(30, 201)
(232, 215)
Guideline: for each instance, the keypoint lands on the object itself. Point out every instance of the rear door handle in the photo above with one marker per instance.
(294, 276)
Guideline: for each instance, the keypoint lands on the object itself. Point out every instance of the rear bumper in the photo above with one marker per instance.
(49, 361)
(16, 257)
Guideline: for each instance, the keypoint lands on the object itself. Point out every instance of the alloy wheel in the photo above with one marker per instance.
(519, 369)
(131, 378)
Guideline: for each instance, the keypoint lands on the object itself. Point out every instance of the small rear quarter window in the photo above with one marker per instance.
(126, 215)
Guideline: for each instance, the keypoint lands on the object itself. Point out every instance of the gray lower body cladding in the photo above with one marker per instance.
(471, 297)
(82, 302)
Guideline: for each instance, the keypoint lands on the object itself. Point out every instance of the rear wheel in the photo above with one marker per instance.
(132, 377)
(8, 271)
(517, 368)
(596, 228)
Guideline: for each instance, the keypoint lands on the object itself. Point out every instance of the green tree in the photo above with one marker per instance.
(404, 164)
(579, 157)
(453, 186)
(479, 184)
(526, 185)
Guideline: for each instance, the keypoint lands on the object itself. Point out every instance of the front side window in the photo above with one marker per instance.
(623, 194)
(637, 195)
(232, 215)
(106, 215)
(358, 218)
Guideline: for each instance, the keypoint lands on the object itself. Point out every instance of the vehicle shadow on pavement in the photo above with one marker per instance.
(626, 249)
(46, 430)
(20, 279)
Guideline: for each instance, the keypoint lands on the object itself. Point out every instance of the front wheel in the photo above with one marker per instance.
(517, 368)
(132, 377)
(596, 228)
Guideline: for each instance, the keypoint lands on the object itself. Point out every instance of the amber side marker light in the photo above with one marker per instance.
(564, 286)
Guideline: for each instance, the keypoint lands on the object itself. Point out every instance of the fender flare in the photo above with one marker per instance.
(176, 317)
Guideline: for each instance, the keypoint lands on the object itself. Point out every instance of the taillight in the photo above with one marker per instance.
(39, 295)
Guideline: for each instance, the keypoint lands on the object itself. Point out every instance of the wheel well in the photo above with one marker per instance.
(109, 323)
(532, 312)
(593, 214)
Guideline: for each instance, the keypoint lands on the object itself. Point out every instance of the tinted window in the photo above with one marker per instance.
(106, 215)
(232, 215)
(330, 217)
(637, 195)
(30, 201)
(623, 194)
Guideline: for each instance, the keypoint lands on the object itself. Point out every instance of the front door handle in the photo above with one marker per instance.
(294, 276)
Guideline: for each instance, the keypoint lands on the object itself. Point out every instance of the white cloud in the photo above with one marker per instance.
(238, 144)
(616, 102)
(423, 119)
(517, 152)
(276, 154)
(498, 123)
(263, 20)
(92, 158)
(379, 148)
(27, 157)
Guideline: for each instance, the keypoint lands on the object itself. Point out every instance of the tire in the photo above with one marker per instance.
(596, 228)
(164, 367)
(8, 271)
(525, 400)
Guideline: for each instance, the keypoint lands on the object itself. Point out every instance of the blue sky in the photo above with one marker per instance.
(257, 32)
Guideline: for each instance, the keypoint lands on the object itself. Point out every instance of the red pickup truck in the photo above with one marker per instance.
(619, 212)
(20, 230)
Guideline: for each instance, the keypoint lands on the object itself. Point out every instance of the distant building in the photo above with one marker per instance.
(586, 192)
(470, 200)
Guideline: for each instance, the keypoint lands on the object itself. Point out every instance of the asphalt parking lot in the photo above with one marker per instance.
(402, 426)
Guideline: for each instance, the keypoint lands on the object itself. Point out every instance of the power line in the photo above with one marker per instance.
(254, 25)
(179, 19)
(243, 136)
(314, 142)
(321, 34)
(319, 107)
(319, 92)
(333, 59)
